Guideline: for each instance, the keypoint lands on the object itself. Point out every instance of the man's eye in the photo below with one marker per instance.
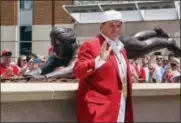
(115, 26)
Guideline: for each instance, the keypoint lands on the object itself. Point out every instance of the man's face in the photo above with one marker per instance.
(31, 66)
(171, 58)
(112, 29)
(174, 64)
(131, 61)
(159, 60)
(145, 60)
(165, 61)
(152, 69)
(6, 59)
(136, 60)
(23, 61)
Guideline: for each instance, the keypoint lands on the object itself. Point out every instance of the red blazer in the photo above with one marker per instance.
(98, 95)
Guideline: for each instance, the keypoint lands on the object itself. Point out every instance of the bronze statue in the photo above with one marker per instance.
(66, 49)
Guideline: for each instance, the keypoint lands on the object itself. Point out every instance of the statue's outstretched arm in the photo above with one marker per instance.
(136, 48)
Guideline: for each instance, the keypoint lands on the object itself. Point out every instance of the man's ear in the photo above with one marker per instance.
(101, 26)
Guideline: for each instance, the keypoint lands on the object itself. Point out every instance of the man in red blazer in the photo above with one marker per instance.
(105, 87)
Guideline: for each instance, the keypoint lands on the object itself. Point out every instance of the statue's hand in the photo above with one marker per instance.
(35, 77)
(161, 32)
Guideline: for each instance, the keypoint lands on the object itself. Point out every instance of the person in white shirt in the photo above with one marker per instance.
(157, 72)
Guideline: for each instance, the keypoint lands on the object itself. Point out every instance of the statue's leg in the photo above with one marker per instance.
(136, 48)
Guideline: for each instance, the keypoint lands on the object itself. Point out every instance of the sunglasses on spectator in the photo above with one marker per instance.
(158, 58)
(23, 60)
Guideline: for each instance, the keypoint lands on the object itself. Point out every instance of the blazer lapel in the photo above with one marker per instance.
(128, 73)
(114, 62)
(112, 56)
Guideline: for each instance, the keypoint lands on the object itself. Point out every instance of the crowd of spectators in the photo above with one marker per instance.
(25, 64)
(147, 69)
(156, 69)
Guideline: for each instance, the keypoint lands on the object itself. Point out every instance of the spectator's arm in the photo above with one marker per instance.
(23, 70)
(135, 77)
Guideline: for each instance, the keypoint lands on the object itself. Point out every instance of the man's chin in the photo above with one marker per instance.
(115, 36)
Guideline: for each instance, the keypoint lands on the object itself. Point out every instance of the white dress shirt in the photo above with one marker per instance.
(117, 46)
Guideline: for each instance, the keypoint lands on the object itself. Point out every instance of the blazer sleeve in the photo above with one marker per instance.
(85, 64)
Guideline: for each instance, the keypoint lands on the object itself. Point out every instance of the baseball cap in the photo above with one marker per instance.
(6, 52)
(50, 49)
(111, 15)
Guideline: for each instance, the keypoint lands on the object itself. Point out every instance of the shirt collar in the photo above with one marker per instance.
(108, 40)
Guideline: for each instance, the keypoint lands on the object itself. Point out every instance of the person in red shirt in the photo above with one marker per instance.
(140, 72)
(8, 69)
(137, 67)
(50, 50)
(142, 77)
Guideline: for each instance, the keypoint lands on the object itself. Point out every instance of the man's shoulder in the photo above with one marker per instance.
(92, 41)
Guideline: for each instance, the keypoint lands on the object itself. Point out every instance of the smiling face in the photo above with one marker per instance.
(159, 60)
(23, 61)
(175, 63)
(112, 29)
(145, 60)
(6, 59)
(151, 68)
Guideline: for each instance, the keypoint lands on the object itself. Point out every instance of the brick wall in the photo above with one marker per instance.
(61, 16)
(8, 12)
(43, 14)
